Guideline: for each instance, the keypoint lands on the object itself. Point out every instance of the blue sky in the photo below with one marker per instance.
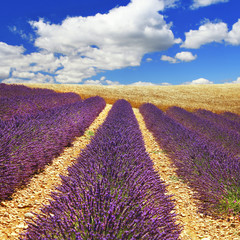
(111, 42)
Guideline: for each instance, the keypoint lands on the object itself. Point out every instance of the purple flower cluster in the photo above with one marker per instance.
(220, 121)
(28, 143)
(13, 90)
(30, 101)
(231, 116)
(211, 170)
(112, 192)
(210, 125)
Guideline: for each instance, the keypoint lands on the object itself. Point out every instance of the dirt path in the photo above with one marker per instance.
(14, 213)
(195, 225)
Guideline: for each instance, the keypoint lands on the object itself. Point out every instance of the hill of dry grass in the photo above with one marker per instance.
(216, 98)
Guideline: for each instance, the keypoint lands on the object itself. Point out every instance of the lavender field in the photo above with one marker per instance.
(113, 190)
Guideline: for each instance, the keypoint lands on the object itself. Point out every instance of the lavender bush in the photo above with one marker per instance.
(211, 170)
(27, 144)
(231, 116)
(214, 131)
(112, 192)
(11, 107)
(220, 121)
(13, 90)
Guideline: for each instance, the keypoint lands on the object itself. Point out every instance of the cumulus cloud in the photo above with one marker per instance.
(19, 66)
(36, 78)
(101, 81)
(165, 84)
(180, 57)
(109, 41)
(4, 73)
(237, 81)
(212, 32)
(233, 36)
(140, 83)
(8, 55)
(198, 81)
(168, 59)
(171, 3)
(204, 3)
(93, 82)
(207, 33)
(10, 51)
(185, 56)
(178, 40)
(81, 47)
(109, 82)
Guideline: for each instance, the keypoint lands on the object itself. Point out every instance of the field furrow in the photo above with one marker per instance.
(15, 212)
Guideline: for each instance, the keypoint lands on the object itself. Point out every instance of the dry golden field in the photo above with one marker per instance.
(216, 98)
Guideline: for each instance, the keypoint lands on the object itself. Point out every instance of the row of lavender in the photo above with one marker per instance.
(18, 100)
(13, 90)
(28, 143)
(112, 192)
(205, 148)
(216, 128)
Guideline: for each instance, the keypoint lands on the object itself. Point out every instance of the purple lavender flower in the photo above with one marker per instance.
(208, 167)
(112, 192)
(29, 142)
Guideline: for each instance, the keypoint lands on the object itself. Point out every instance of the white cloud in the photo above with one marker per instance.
(168, 59)
(171, 3)
(149, 59)
(108, 41)
(233, 36)
(13, 60)
(237, 81)
(212, 32)
(143, 84)
(16, 74)
(108, 82)
(10, 51)
(140, 83)
(178, 40)
(101, 81)
(185, 56)
(204, 3)
(165, 84)
(93, 82)
(8, 55)
(180, 57)
(81, 47)
(198, 81)
(37, 78)
(4, 72)
(207, 33)
(135, 26)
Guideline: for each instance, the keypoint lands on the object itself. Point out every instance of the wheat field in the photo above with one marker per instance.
(217, 98)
